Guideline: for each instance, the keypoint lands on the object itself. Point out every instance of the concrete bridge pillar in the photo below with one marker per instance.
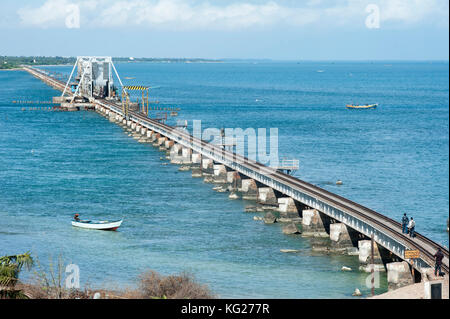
(168, 144)
(138, 128)
(249, 189)
(186, 154)
(342, 237)
(266, 196)
(287, 208)
(133, 126)
(175, 149)
(207, 167)
(129, 123)
(156, 140)
(153, 136)
(365, 252)
(234, 179)
(197, 159)
(175, 154)
(162, 142)
(314, 223)
(144, 130)
(196, 165)
(220, 174)
(399, 275)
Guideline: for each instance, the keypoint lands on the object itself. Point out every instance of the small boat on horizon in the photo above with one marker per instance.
(365, 106)
(98, 225)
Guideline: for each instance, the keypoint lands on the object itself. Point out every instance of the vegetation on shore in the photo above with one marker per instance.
(10, 268)
(13, 62)
(50, 284)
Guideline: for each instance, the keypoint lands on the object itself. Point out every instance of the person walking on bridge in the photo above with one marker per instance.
(405, 221)
(438, 262)
(411, 227)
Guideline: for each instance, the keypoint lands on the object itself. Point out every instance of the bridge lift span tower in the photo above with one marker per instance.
(93, 79)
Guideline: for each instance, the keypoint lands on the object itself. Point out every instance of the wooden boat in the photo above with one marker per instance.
(366, 106)
(99, 225)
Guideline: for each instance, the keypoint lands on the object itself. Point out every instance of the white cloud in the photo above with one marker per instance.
(47, 15)
(412, 11)
(53, 13)
(205, 15)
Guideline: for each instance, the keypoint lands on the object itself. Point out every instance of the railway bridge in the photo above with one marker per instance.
(351, 227)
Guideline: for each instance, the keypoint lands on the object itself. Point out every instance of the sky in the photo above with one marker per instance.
(220, 29)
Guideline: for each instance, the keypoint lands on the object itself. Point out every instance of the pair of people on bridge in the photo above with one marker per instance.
(408, 225)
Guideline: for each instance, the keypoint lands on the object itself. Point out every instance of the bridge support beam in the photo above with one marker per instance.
(266, 196)
(168, 144)
(365, 253)
(112, 117)
(152, 136)
(399, 275)
(160, 142)
(234, 181)
(175, 154)
(143, 135)
(207, 167)
(186, 154)
(315, 224)
(249, 189)
(220, 174)
(156, 140)
(288, 208)
(342, 237)
(196, 165)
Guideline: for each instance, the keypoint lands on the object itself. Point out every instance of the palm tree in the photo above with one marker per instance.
(10, 267)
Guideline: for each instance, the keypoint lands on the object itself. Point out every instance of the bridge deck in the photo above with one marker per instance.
(387, 232)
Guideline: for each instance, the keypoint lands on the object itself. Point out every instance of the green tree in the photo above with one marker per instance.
(10, 268)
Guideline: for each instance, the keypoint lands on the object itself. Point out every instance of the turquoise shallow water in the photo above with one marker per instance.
(393, 159)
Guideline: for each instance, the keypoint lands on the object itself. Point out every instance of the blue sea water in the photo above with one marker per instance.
(393, 159)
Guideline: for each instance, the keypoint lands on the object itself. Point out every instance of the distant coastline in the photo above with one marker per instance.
(14, 62)
(11, 69)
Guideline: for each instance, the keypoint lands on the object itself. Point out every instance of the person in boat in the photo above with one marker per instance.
(77, 217)
(405, 221)
(411, 227)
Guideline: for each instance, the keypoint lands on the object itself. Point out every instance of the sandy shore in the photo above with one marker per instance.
(416, 291)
